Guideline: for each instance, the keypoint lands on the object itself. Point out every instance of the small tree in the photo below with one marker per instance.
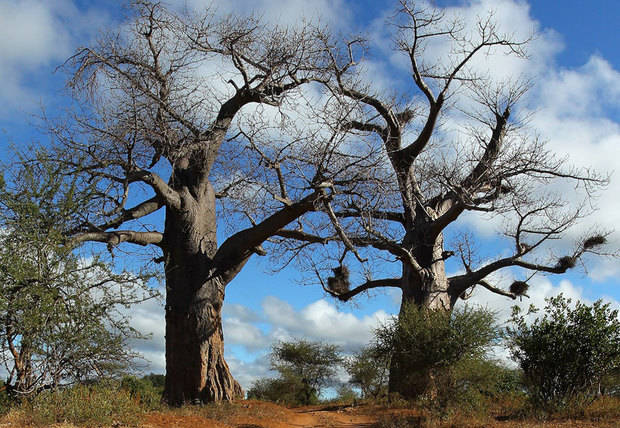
(369, 371)
(305, 368)
(429, 346)
(566, 354)
(59, 319)
(313, 362)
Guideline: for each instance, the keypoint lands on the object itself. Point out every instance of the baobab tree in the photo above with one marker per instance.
(158, 132)
(488, 165)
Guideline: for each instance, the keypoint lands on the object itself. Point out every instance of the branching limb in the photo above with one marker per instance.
(238, 248)
(139, 211)
(341, 233)
(116, 237)
(497, 290)
(168, 195)
(368, 285)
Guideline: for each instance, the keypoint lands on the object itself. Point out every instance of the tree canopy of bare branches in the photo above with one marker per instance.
(185, 115)
(454, 145)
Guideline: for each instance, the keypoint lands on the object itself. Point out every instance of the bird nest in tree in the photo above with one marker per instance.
(519, 288)
(566, 262)
(594, 241)
(339, 283)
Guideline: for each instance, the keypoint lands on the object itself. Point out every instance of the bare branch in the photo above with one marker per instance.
(368, 285)
(117, 237)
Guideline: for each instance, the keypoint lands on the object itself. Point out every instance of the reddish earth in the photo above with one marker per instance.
(253, 414)
(256, 414)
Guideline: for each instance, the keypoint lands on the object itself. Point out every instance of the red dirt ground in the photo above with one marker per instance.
(254, 414)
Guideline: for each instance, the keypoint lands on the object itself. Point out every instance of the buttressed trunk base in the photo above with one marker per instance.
(196, 371)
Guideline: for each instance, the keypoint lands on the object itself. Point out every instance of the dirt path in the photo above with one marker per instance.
(266, 416)
(336, 417)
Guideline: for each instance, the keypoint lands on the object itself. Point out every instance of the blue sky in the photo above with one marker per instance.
(576, 99)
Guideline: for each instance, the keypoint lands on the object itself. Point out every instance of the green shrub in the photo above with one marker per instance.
(368, 370)
(286, 389)
(305, 368)
(569, 354)
(147, 390)
(427, 348)
(91, 405)
(313, 363)
(5, 400)
(346, 394)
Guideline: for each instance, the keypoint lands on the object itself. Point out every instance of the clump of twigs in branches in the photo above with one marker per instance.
(594, 241)
(566, 262)
(339, 283)
(519, 288)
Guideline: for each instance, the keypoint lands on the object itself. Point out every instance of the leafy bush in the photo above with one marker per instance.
(304, 368)
(427, 350)
(61, 312)
(285, 389)
(147, 390)
(346, 394)
(369, 371)
(5, 400)
(568, 353)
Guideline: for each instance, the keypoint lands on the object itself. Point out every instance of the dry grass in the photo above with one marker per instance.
(508, 413)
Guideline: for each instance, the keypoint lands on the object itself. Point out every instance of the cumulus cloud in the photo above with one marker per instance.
(148, 318)
(249, 335)
(321, 320)
(287, 13)
(36, 36)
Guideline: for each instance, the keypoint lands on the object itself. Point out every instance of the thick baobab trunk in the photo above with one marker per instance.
(429, 292)
(195, 367)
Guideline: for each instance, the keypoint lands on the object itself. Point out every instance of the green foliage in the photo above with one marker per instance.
(304, 367)
(287, 389)
(158, 381)
(472, 385)
(147, 390)
(101, 404)
(568, 353)
(59, 310)
(369, 371)
(427, 347)
(314, 363)
(345, 394)
(5, 399)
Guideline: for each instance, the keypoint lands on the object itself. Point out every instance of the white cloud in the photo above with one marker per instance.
(36, 36)
(540, 289)
(287, 13)
(321, 320)
(256, 332)
(246, 373)
(148, 318)
(31, 37)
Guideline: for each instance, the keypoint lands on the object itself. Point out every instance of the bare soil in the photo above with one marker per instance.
(255, 414)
